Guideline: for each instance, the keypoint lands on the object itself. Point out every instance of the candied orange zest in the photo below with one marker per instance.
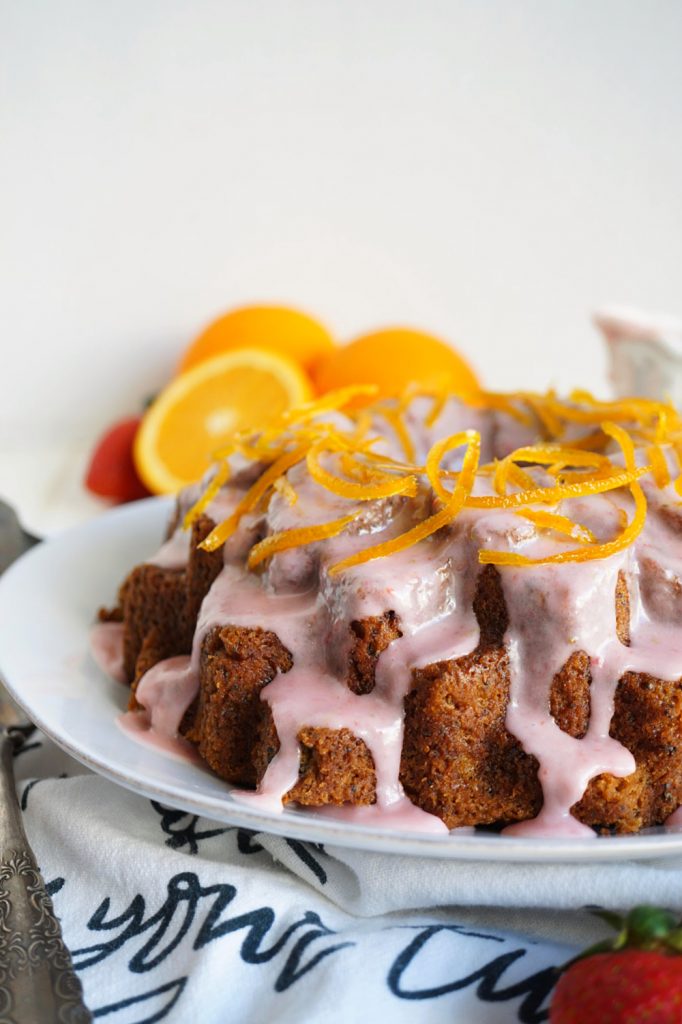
(546, 454)
(220, 477)
(249, 451)
(662, 426)
(594, 441)
(294, 424)
(220, 533)
(330, 402)
(395, 464)
(565, 475)
(438, 452)
(502, 403)
(297, 537)
(394, 418)
(505, 471)
(363, 424)
(659, 465)
(549, 420)
(356, 491)
(555, 456)
(501, 475)
(436, 409)
(558, 523)
(592, 551)
(429, 526)
(630, 410)
(284, 487)
(551, 495)
(520, 477)
(584, 554)
(576, 467)
(366, 472)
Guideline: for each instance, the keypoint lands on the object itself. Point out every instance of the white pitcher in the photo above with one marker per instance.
(645, 353)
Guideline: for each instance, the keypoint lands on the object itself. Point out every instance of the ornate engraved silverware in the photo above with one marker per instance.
(38, 984)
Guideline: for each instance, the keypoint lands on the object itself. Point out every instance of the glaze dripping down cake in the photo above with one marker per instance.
(431, 612)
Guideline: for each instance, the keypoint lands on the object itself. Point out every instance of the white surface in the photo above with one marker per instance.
(490, 171)
(58, 586)
(44, 483)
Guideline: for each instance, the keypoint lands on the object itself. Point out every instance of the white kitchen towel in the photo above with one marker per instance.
(172, 917)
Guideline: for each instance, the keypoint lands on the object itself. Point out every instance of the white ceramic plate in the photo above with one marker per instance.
(47, 603)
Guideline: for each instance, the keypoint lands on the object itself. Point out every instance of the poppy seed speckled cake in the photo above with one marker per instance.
(428, 612)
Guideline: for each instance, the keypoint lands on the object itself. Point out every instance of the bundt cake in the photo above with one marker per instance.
(428, 611)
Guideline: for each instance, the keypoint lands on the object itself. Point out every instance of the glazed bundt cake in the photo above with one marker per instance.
(432, 612)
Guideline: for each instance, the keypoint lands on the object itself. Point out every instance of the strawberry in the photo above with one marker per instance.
(112, 473)
(634, 978)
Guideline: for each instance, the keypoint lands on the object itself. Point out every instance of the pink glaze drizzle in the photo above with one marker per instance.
(106, 647)
(137, 726)
(174, 552)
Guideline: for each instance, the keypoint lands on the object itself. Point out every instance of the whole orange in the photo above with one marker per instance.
(394, 359)
(278, 328)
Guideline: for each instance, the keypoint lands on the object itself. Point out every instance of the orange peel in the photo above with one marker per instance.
(218, 480)
(223, 530)
(297, 537)
(575, 468)
(559, 524)
(387, 488)
(429, 526)
(628, 534)
(659, 465)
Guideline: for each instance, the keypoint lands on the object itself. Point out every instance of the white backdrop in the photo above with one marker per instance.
(487, 170)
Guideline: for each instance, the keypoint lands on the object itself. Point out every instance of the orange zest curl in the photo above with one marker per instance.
(223, 530)
(559, 524)
(503, 403)
(628, 534)
(330, 402)
(551, 423)
(394, 418)
(438, 452)
(283, 486)
(552, 495)
(659, 465)
(558, 455)
(506, 471)
(383, 488)
(220, 478)
(569, 454)
(519, 477)
(436, 409)
(584, 408)
(296, 537)
(447, 514)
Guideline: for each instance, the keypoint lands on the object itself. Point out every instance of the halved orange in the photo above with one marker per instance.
(200, 410)
(279, 328)
(394, 359)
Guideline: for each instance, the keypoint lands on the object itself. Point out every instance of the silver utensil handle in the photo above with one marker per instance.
(37, 979)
